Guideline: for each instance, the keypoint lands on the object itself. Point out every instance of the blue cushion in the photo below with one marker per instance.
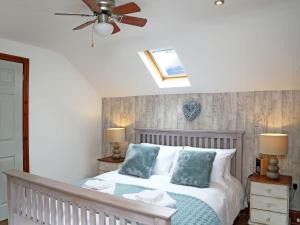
(193, 168)
(140, 160)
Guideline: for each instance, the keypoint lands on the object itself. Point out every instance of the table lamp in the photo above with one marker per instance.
(116, 136)
(274, 145)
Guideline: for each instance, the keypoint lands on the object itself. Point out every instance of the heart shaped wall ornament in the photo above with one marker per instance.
(191, 110)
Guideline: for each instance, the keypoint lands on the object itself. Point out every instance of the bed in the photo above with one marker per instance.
(37, 200)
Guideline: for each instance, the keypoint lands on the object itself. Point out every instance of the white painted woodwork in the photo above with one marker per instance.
(269, 204)
(11, 140)
(105, 167)
(272, 190)
(268, 218)
(56, 203)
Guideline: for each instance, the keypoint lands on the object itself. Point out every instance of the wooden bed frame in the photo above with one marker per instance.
(36, 200)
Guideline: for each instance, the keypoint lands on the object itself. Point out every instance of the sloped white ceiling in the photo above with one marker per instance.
(245, 45)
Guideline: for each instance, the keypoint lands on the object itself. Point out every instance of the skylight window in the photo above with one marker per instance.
(168, 62)
(165, 67)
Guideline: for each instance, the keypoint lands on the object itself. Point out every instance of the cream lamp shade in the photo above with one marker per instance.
(114, 135)
(274, 144)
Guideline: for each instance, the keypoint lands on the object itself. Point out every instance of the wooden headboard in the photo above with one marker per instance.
(198, 138)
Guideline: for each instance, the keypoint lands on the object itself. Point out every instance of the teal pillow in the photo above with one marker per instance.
(140, 160)
(193, 168)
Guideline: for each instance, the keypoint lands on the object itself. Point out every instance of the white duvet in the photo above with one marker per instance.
(226, 200)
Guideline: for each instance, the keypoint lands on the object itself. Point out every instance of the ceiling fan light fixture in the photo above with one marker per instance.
(107, 16)
(103, 29)
(219, 2)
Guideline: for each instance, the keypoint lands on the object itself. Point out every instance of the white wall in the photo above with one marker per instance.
(64, 115)
(243, 50)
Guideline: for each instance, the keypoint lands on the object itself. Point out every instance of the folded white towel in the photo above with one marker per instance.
(97, 184)
(162, 198)
(167, 201)
(150, 196)
(110, 190)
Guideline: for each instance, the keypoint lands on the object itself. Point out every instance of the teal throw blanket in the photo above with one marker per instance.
(190, 210)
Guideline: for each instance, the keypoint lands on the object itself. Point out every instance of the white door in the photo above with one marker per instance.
(11, 144)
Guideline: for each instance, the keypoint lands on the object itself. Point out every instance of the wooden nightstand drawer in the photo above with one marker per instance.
(269, 218)
(269, 200)
(269, 204)
(105, 166)
(271, 190)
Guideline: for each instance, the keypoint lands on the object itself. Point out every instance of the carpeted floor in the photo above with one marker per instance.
(241, 220)
(3, 222)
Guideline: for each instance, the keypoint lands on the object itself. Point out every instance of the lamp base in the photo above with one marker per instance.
(273, 168)
(116, 153)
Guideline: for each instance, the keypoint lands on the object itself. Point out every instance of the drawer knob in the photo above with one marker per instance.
(268, 219)
(269, 205)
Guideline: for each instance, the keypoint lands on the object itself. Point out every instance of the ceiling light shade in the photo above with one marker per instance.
(219, 2)
(103, 29)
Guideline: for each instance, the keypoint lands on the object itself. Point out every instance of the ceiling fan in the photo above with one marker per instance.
(107, 14)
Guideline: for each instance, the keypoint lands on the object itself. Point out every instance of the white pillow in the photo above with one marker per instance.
(220, 166)
(227, 173)
(164, 159)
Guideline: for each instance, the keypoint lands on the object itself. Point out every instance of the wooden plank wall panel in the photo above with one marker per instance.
(205, 120)
(169, 113)
(181, 123)
(106, 107)
(254, 112)
(128, 118)
(245, 121)
(290, 123)
(140, 112)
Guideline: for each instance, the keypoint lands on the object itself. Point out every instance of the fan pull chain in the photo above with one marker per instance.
(92, 44)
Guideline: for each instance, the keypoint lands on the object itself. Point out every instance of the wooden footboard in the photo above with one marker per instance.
(46, 201)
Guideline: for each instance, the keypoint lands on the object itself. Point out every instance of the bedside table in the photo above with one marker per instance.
(108, 164)
(269, 200)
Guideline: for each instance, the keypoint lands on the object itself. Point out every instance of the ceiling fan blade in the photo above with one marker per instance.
(85, 25)
(135, 21)
(116, 28)
(72, 14)
(92, 5)
(126, 9)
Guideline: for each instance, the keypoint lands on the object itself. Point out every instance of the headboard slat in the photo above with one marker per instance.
(198, 138)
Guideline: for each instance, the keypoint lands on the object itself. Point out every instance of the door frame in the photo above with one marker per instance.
(25, 104)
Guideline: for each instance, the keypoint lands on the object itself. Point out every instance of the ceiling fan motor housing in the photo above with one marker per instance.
(103, 18)
(106, 5)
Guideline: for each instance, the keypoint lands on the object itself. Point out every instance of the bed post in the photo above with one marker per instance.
(162, 222)
(138, 136)
(239, 156)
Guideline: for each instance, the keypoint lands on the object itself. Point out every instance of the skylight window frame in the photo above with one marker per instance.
(158, 69)
(178, 81)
